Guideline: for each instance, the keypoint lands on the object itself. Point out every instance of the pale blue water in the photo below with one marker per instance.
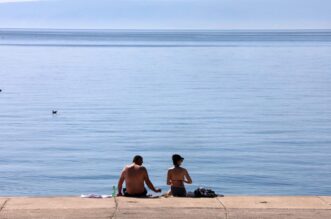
(249, 111)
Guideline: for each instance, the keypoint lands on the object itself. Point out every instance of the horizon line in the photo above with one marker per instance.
(161, 29)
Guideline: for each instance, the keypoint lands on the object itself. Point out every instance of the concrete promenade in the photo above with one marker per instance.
(241, 207)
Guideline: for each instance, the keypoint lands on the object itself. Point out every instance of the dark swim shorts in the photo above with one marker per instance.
(178, 191)
(141, 195)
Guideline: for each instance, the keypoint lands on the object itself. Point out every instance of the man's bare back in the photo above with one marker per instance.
(135, 176)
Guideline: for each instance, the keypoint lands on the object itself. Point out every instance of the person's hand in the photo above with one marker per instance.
(157, 190)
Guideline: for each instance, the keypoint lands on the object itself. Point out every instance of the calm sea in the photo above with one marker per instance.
(249, 110)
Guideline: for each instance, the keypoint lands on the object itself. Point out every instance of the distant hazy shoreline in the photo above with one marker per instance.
(159, 38)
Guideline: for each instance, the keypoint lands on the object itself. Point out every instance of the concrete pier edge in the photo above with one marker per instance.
(121, 207)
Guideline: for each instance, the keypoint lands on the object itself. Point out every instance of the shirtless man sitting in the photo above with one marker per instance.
(135, 175)
(177, 176)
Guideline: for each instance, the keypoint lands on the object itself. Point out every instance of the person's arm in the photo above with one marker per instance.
(188, 179)
(168, 178)
(120, 183)
(149, 183)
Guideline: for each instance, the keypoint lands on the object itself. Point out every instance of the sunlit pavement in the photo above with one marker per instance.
(244, 207)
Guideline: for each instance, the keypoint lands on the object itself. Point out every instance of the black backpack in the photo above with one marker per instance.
(203, 192)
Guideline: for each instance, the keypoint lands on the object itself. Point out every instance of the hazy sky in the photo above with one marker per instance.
(167, 14)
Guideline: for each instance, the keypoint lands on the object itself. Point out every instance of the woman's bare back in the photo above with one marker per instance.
(177, 176)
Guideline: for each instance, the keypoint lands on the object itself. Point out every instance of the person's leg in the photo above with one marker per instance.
(125, 193)
(140, 195)
(184, 192)
(178, 191)
(169, 193)
(145, 192)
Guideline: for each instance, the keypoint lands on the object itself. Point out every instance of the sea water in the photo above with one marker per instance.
(249, 110)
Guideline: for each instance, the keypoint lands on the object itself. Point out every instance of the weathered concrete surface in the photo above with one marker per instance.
(58, 207)
(287, 202)
(58, 203)
(171, 202)
(276, 207)
(237, 213)
(57, 214)
(239, 207)
(231, 207)
(169, 208)
(326, 199)
(166, 213)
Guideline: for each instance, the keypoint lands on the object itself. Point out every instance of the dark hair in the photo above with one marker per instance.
(137, 159)
(176, 158)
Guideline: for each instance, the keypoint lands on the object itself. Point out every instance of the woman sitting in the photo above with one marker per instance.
(177, 176)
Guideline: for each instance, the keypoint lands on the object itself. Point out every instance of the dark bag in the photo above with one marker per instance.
(203, 192)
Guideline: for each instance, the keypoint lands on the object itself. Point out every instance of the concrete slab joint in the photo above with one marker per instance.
(3, 204)
(224, 207)
(116, 207)
(240, 207)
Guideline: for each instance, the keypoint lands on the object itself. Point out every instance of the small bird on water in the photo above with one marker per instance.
(0, 90)
(54, 112)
